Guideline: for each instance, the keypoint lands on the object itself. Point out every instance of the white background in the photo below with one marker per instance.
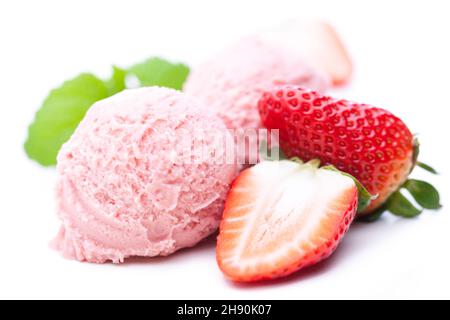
(401, 51)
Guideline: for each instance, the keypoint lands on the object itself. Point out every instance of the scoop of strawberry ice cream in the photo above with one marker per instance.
(231, 83)
(124, 189)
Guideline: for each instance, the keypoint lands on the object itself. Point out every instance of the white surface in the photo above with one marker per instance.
(401, 51)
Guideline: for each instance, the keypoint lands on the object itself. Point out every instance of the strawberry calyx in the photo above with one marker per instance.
(424, 194)
(426, 167)
(416, 151)
(416, 162)
(374, 216)
(364, 196)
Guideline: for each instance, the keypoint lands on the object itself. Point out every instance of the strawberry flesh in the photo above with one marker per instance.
(283, 216)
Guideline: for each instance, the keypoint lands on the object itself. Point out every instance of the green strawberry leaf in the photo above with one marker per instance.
(159, 72)
(116, 83)
(424, 193)
(399, 205)
(59, 116)
(364, 197)
(416, 151)
(426, 167)
(374, 216)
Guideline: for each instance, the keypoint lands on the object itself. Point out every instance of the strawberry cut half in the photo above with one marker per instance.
(282, 216)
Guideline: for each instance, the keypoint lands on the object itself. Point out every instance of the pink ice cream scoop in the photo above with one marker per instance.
(231, 83)
(124, 189)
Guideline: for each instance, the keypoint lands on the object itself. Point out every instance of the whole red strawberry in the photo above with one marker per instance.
(370, 143)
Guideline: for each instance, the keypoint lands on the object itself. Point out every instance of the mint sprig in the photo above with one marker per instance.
(60, 114)
(117, 82)
(159, 72)
(66, 106)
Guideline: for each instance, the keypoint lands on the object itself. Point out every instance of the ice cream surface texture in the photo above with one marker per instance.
(124, 191)
(232, 81)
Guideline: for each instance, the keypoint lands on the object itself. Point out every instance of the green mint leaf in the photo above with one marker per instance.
(159, 72)
(426, 167)
(116, 83)
(65, 107)
(424, 193)
(59, 116)
(400, 206)
(364, 197)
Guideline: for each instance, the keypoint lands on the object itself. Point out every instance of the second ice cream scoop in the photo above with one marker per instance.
(231, 82)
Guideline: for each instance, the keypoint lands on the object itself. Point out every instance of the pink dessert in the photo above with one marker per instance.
(317, 43)
(231, 82)
(122, 188)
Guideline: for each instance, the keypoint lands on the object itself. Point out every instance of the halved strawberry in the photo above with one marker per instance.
(282, 216)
